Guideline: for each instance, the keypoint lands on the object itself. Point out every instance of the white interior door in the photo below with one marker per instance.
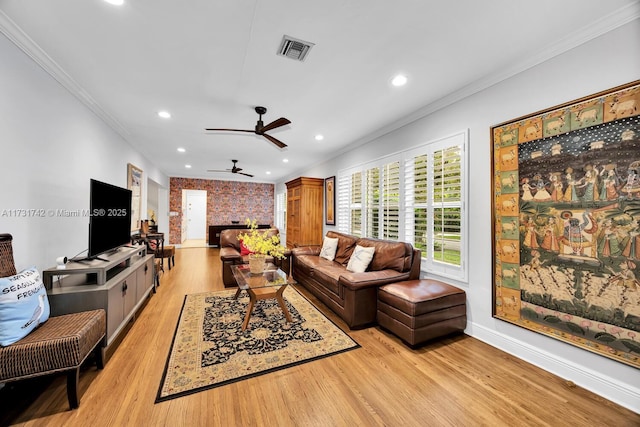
(196, 214)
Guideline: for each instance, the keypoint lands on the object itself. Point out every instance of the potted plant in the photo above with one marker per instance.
(260, 245)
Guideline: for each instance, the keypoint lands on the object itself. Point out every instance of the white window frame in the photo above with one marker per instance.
(406, 203)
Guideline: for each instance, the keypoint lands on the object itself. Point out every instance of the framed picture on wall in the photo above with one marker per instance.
(330, 200)
(134, 183)
(566, 222)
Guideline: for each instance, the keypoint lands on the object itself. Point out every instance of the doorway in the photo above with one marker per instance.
(194, 218)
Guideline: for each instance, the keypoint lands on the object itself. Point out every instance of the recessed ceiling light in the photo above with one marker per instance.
(268, 172)
(116, 2)
(285, 160)
(399, 80)
(319, 137)
(181, 150)
(164, 114)
(187, 166)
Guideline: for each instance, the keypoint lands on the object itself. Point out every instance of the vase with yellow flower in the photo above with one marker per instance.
(261, 244)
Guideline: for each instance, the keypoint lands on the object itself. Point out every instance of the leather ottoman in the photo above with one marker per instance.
(421, 310)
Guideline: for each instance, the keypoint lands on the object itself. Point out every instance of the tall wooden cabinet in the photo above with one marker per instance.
(304, 211)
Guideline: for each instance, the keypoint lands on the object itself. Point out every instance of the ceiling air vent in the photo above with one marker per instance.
(294, 48)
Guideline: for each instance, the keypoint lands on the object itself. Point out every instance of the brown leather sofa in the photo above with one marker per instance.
(230, 253)
(353, 296)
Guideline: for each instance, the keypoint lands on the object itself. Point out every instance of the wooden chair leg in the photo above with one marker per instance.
(73, 378)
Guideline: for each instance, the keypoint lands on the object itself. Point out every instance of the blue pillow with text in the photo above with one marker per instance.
(23, 305)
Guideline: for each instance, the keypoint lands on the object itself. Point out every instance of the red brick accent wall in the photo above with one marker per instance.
(226, 201)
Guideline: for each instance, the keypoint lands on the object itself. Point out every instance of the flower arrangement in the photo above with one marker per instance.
(260, 242)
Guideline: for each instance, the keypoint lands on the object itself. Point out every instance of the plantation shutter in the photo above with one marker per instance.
(343, 193)
(390, 201)
(372, 183)
(416, 199)
(447, 175)
(419, 196)
(356, 204)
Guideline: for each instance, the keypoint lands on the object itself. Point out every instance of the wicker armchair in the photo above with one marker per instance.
(61, 344)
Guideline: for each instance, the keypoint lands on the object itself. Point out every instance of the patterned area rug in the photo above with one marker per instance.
(210, 349)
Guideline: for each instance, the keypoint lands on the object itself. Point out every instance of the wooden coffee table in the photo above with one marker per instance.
(270, 284)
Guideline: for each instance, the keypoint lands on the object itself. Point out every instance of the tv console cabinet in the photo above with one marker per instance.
(119, 284)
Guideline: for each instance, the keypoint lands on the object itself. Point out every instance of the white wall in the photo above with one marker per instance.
(50, 146)
(602, 63)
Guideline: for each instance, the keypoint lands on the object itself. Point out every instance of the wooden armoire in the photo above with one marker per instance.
(304, 211)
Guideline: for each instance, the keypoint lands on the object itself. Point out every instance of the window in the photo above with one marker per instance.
(417, 196)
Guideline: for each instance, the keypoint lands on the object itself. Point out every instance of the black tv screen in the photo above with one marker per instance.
(110, 217)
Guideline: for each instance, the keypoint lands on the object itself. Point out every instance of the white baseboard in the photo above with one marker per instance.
(596, 382)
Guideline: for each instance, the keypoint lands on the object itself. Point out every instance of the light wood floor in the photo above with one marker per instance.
(194, 243)
(459, 381)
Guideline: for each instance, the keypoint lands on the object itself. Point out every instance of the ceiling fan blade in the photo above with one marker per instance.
(275, 124)
(275, 141)
(245, 174)
(234, 130)
(218, 170)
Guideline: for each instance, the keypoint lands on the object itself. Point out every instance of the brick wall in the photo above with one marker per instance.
(226, 201)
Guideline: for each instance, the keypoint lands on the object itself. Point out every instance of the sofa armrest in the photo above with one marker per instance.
(369, 279)
(230, 254)
(306, 250)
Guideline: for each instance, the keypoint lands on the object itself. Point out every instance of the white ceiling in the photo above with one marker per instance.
(211, 62)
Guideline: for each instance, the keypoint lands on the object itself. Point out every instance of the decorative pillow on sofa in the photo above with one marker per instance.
(244, 250)
(329, 247)
(360, 259)
(23, 305)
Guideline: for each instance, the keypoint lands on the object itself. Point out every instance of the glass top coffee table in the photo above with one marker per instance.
(270, 284)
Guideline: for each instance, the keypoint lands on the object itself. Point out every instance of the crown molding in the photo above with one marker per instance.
(14, 33)
(588, 32)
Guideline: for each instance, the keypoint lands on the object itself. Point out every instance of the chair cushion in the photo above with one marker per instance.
(61, 343)
(168, 251)
(23, 305)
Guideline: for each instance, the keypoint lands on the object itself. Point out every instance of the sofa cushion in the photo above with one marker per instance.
(360, 259)
(329, 247)
(328, 273)
(346, 244)
(389, 254)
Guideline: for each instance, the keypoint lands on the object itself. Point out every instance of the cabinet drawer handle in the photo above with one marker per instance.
(124, 286)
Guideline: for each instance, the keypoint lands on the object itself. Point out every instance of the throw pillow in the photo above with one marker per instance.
(244, 250)
(23, 305)
(329, 247)
(360, 259)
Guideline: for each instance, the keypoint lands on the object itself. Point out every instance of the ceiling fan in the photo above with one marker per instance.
(234, 169)
(260, 128)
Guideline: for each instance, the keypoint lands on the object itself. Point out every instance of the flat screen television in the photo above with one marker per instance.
(110, 218)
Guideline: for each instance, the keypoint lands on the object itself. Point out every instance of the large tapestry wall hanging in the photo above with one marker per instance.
(566, 214)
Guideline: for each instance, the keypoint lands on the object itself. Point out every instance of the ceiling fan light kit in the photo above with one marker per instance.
(260, 128)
